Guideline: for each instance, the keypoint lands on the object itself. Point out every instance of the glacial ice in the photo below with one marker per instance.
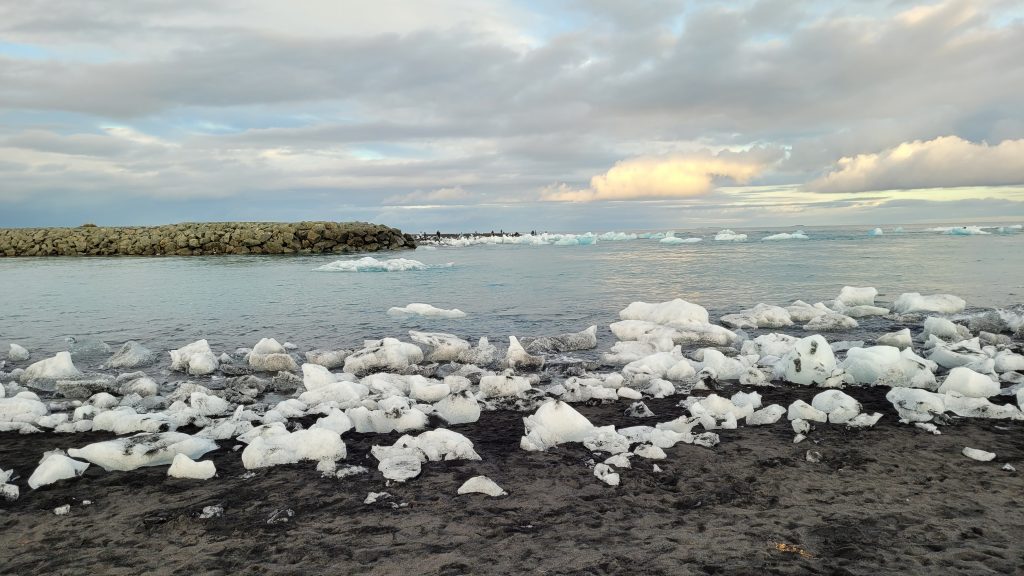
(798, 235)
(767, 415)
(53, 467)
(442, 347)
(184, 467)
(147, 449)
(131, 355)
(670, 238)
(876, 232)
(606, 474)
(554, 423)
(809, 361)
(901, 339)
(427, 310)
(518, 359)
(17, 353)
(585, 340)
(393, 414)
(969, 383)
(8, 492)
(268, 355)
(760, 316)
(371, 264)
(729, 236)
(979, 455)
(483, 354)
(458, 408)
(911, 302)
(197, 359)
(683, 322)
(388, 354)
(800, 410)
(830, 322)
(60, 366)
(945, 329)
(503, 385)
(800, 311)
(274, 445)
(857, 296)
(23, 407)
(616, 236)
(330, 359)
(481, 485)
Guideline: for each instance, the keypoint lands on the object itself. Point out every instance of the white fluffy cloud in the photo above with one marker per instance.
(945, 162)
(676, 176)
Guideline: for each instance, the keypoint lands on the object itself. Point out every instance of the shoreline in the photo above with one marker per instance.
(204, 239)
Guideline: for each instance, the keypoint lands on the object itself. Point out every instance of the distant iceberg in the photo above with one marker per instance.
(525, 239)
(420, 309)
(876, 232)
(962, 231)
(614, 236)
(730, 236)
(371, 264)
(651, 235)
(798, 235)
(670, 238)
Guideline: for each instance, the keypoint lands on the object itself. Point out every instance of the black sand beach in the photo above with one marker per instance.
(889, 499)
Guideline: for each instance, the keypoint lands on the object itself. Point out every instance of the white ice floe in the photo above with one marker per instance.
(268, 355)
(55, 466)
(678, 320)
(979, 455)
(17, 353)
(58, 367)
(147, 449)
(969, 383)
(857, 296)
(554, 423)
(617, 236)
(810, 361)
(798, 235)
(830, 322)
(272, 445)
(371, 264)
(503, 385)
(901, 339)
(584, 340)
(440, 347)
(963, 231)
(670, 238)
(760, 316)
(800, 311)
(131, 355)
(196, 359)
(912, 302)
(184, 467)
(876, 232)
(518, 358)
(388, 354)
(727, 235)
(427, 310)
(481, 485)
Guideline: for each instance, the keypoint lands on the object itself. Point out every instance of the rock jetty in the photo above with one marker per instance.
(198, 239)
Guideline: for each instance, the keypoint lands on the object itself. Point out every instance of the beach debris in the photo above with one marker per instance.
(280, 516)
(481, 485)
(792, 549)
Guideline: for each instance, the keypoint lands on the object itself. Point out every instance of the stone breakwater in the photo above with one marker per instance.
(197, 239)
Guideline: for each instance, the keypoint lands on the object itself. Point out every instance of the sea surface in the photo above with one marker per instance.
(525, 290)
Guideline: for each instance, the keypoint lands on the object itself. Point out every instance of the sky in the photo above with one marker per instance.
(459, 115)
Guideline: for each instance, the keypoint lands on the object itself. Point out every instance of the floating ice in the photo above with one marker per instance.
(387, 354)
(969, 383)
(809, 361)
(17, 353)
(371, 264)
(585, 340)
(442, 347)
(503, 385)
(857, 296)
(420, 309)
(554, 423)
(58, 367)
(830, 322)
(273, 445)
(900, 339)
(965, 231)
(55, 466)
(268, 355)
(131, 355)
(329, 359)
(670, 238)
(147, 449)
(801, 311)
(196, 359)
(876, 232)
(944, 329)
(517, 358)
(184, 467)
(979, 455)
(481, 485)
(911, 302)
(679, 320)
(616, 236)
(730, 236)
(798, 235)
(760, 316)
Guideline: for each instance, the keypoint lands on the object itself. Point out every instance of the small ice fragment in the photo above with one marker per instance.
(606, 474)
(481, 485)
(979, 455)
(373, 497)
(62, 510)
(211, 512)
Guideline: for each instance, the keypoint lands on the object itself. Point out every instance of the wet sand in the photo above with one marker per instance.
(885, 500)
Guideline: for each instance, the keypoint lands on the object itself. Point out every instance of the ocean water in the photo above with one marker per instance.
(504, 289)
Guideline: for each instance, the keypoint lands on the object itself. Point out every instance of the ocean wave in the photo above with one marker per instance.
(371, 264)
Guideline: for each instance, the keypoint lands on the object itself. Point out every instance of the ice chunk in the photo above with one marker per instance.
(606, 474)
(8, 492)
(979, 455)
(857, 296)
(650, 452)
(798, 235)
(329, 359)
(554, 423)
(970, 407)
(336, 421)
(458, 408)
(606, 439)
(1006, 361)
(387, 354)
(840, 407)
(766, 415)
(196, 359)
(518, 359)
(58, 367)
(433, 446)
(427, 390)
(830, 322)
(400, 466)
(275, 445)
(55, 466)
(131, 355)
(969, 383)
(184, 467)
(676, 312)
(371, 264)
(124, 420)
(585, 340)
(803, 411)
(23, 407)
(760, 316)
(617, 236)
(208, 405)
(900, 339)
(670, 238)
(876, 232)
(809, 361)
(915, 405)
(727, 235)
(483, 354)
(421, 309)
(801, 311)
(944, 329)
(17, 353)
(147, 449)
(268, 355)
(393, 414)
(867, 365)
(503, 385)
(481, 485)
(443, 347)
(911, 302)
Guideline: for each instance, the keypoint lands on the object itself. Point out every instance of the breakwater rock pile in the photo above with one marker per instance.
(197, 239)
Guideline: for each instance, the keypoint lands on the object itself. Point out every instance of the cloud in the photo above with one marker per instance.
(441, 195)
(945, 162)
(676, 176)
